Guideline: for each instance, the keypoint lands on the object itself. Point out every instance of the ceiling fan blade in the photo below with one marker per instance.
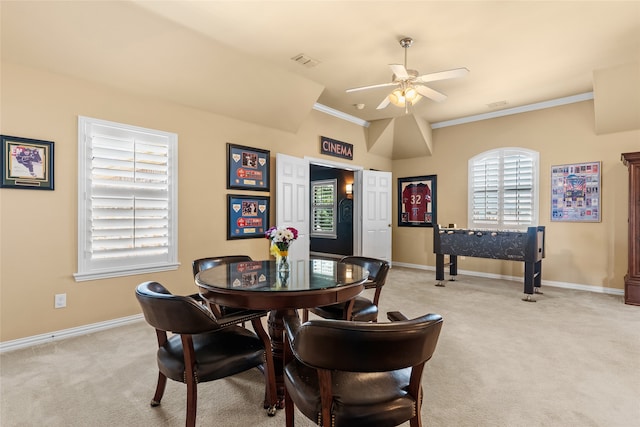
(430, 93)
(442, 75)
(383, 104)
(400, 71)
(355, 89)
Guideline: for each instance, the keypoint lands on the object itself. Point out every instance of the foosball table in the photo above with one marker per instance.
(527, 247)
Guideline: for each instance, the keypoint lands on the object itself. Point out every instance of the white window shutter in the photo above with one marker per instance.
(127, 200)
(503, 189)
(324, 208)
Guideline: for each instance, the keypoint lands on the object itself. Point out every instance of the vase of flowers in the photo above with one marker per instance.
(281, 238)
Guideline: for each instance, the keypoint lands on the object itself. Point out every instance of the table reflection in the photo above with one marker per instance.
(303, 275)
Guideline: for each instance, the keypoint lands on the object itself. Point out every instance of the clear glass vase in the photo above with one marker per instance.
(282, 263)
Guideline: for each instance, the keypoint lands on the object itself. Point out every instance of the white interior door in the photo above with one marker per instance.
(292, 201)
(375, 192)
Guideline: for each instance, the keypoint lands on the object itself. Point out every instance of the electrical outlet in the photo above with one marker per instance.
(60, 300)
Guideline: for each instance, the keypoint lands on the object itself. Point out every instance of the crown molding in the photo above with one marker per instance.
(469, 119)
(340, 115)
(515, 110)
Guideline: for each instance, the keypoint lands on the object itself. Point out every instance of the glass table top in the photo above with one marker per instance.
(263, 276)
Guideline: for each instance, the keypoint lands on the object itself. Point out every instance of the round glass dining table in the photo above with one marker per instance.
(260, 285)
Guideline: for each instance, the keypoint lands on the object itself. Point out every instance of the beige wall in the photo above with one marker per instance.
(38, 228)
(39, 232)
(591, 254)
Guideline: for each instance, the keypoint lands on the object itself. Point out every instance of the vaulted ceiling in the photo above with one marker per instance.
(235, 57)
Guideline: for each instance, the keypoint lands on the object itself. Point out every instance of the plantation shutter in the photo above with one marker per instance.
(129, 200)
(517, 190)
(323, 208)
(503, 189)
(486, 190)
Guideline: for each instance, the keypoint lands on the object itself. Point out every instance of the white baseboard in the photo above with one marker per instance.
(67, 333)
(575, 286)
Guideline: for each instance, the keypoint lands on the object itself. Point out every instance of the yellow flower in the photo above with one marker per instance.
(276, 251)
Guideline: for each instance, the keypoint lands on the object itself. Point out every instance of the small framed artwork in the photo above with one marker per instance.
(576, 192)
(26, 163)
(247, 168)
(417, 201)
(248, 216)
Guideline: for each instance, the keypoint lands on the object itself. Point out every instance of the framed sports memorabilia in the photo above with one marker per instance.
(247, 168)
(417, 201)
(248, 216)
(575, 192)
(26, 163)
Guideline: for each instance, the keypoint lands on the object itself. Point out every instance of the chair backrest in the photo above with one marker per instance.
(377, 269)
(178, 314)
(210, 262)
(340, 345)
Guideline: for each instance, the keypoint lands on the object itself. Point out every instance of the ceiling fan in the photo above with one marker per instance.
(410, 85)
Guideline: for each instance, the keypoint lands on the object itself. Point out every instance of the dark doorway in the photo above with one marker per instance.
(342, 243)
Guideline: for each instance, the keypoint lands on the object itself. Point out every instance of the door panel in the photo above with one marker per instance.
(292, 201)
(376, 214)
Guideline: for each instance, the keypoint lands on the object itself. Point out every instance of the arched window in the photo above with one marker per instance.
(503, 189)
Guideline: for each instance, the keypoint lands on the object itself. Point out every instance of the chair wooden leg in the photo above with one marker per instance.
(190, 379)
(305, 315)
(288, 410)
(162, 383)
(192, 402)
(326, 396)
(417, 420)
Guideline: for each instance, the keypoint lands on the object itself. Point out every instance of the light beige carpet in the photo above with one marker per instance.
(570, 359)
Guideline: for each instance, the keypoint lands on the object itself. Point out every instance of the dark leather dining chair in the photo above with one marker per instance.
(361, 308)
(343, 373)
(202, 264)
(202, 347)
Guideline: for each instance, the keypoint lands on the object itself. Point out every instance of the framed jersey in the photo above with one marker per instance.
(417, 201)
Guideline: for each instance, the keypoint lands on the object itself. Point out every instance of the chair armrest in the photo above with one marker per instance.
(396, 316)
(292, 324)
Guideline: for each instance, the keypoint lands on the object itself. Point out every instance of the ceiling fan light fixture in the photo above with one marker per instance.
(412, 95)
(400, 97)
(397, 97)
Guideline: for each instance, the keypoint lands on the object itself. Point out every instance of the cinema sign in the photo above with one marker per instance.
(331, 147)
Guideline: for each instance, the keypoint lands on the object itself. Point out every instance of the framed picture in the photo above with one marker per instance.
(26, 163)
(248, 216)
(576, 192)
(247, 168)
(417, 201)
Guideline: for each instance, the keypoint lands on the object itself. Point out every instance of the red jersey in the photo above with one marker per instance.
(416, 198)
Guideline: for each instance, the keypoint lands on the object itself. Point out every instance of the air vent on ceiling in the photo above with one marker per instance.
(497, 104)
(305, 60)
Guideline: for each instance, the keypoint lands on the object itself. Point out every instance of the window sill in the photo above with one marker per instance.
(96, 275)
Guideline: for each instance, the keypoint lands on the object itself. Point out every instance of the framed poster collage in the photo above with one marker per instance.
(247, 169)
(576, 192)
